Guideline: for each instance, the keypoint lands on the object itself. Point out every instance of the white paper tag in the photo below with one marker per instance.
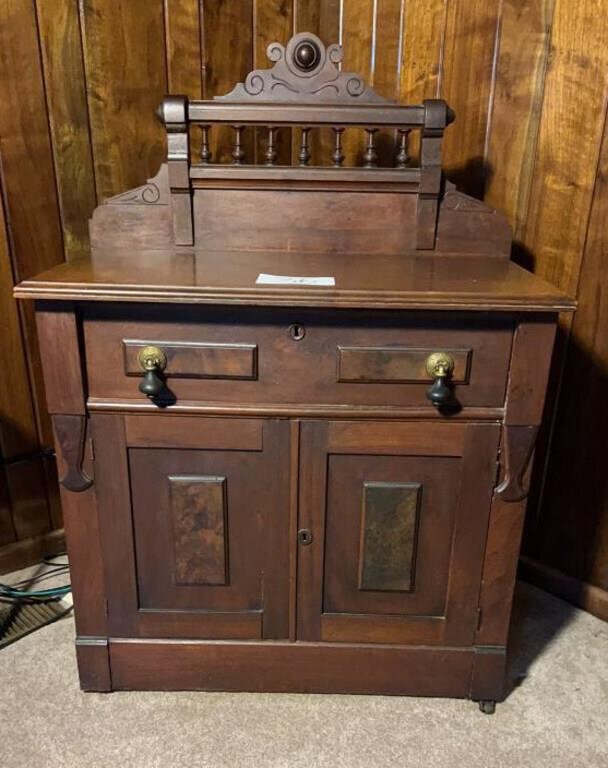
(265, 279)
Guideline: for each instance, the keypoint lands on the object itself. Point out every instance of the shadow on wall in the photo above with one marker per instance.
(472, 178)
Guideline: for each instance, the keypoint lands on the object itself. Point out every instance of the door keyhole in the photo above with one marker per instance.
(304, 536)
(297, 331)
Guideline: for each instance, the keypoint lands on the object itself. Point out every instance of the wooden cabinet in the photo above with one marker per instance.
(196, 530)
(398, 514)
(295, 408)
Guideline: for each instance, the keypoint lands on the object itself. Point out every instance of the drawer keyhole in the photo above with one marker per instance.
(296, 332)
(305, 536)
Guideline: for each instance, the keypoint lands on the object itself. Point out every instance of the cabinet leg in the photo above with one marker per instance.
(487, 706)
(93, 663)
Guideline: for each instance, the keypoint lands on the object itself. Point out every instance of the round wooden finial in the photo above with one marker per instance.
(306, 55)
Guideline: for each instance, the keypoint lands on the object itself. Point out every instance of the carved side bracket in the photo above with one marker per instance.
(70, 432)
(154, 192)
(304, 70)
(518, 447)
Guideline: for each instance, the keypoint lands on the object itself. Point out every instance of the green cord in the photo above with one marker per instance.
(7, 591)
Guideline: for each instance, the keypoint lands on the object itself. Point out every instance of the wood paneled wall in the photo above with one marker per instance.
(79, 80)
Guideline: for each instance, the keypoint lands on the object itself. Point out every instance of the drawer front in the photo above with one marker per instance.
(305, 357)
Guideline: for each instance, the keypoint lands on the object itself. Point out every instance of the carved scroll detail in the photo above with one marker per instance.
(70, 434)
(518, 447)
(154, 192)
(304, 70)
(458, 201)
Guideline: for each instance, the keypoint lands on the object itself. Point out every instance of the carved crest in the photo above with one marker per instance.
(304, 70)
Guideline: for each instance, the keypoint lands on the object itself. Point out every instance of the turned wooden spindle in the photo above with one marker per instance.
(205, 151)
(304, 153)
(370, 156)
(402, 158)
(270, 155)
(337, 155)
(238, 153)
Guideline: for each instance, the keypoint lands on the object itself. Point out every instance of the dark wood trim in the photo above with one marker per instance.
(41, 289)
(305, 114)
(58, 337)
(313, 174)
(22, 554)
(70, 434)
(580, 593)
(92, 655)
(290, 667)
(488, 677)
(295, 410)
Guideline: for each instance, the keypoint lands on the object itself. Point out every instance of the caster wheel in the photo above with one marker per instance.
(487, 706)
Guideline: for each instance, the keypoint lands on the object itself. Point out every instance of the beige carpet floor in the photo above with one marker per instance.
(556, 714)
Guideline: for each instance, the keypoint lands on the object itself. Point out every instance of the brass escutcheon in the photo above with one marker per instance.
(439, 364)
(152, 358)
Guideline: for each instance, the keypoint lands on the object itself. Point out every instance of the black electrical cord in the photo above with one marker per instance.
(12, 592)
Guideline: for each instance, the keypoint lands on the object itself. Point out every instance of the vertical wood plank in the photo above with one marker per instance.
(27, 491)
(570, 134)
(572, 532)
(466, 84)
(520, 74)
(7, 529)
(322, 18)
(421, 52)
(423, 34)
(184, 47)
(358, 38)
(25, 145)
(183, 41)
(124, 53)
(27, 174)
(228, 58)
(272, 21)
(385, 74)
(61, 48)
(18, 434)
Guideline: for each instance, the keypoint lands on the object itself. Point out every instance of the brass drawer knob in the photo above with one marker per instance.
(153, 361)
(439, 367)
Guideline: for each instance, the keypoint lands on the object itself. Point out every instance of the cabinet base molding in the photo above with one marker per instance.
(586, 596)
(93, 663)
(284, 667)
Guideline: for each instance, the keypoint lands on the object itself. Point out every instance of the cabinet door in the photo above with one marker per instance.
(393, 523)
(194, 522)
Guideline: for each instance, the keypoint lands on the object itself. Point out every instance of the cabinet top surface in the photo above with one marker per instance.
(361, 281)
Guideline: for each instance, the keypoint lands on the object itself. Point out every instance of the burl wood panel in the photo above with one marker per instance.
(198, 360)
(388, 535)
(347, 535)
(200, 543)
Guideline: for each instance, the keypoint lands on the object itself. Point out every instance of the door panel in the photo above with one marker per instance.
(398, 516)
(389, 520)
(207, 529)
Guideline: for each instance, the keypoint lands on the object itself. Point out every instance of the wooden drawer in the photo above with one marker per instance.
(302, 357)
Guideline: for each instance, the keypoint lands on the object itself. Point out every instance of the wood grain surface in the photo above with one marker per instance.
(527, 78)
